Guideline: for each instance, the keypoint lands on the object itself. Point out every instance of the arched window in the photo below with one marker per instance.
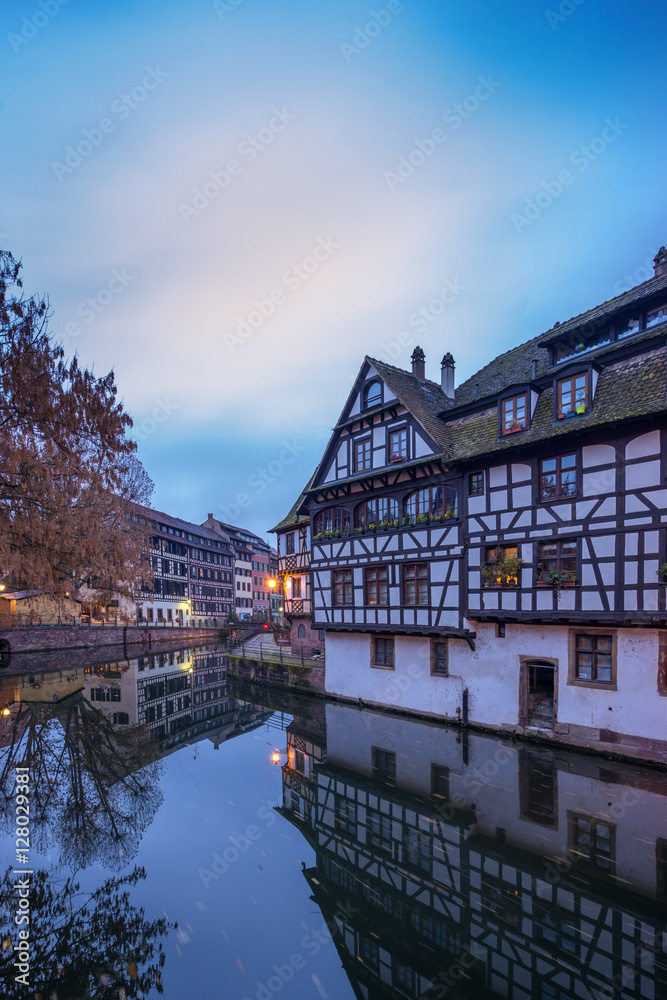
(435, 503)
(301, 632)
(381, 511)
(372, 394)
(335, 520)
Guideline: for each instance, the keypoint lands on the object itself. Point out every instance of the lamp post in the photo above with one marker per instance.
(272, 584)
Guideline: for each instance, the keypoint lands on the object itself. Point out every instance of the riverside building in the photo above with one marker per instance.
(496, 552)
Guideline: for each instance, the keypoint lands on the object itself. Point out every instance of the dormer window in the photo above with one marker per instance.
(576, 345)
(514, 414)
(656, 317)
(628, 327)
(573, 395)
(372, 395)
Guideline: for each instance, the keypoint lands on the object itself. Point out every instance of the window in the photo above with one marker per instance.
(592, 840)
(593, 658)
(656, 317)
(383, 653)
(440, 781)
(372, 394)
(415, 583)
(627, 327)
(398, 445)
(376, 585)
(382, 512)
(502, 566)
(383, 763)
(433, 503)
(289, 543)
(335, 519)
(439, 663)
(513, 414)
(557, 557)
(362, 455)
(576, 346)
(558, 477)
(343, 592)
(345, 816)
(475, 484)
(573, 395)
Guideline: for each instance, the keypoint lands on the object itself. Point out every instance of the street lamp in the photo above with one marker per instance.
(272, 584)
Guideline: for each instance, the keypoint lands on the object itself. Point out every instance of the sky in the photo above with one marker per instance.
(232, 203)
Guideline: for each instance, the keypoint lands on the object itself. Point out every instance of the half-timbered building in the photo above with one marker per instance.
(497, 551)
(456, 865)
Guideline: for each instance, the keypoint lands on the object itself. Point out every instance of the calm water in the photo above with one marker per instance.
(379, 857)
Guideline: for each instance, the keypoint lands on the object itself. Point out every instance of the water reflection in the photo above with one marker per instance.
(453, 864)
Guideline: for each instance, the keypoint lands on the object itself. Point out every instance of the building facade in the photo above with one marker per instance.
(496, 552)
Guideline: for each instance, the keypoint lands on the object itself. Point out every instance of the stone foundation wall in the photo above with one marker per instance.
(53, 637)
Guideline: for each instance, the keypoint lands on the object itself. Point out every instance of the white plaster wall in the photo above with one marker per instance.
(492, 674)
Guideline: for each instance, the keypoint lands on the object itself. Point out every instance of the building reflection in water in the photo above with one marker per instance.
(94, 736)
(454, 864)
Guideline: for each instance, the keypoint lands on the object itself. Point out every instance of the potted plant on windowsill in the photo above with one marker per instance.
(502, 572)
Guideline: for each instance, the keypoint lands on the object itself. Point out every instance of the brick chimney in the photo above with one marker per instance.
(447, 376)
(660, 262)
(418, 365)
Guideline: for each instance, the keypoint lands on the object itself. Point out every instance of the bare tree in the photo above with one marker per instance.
(68, 470)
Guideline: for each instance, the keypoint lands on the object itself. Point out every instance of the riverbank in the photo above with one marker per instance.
(312, 681)
(47, 638)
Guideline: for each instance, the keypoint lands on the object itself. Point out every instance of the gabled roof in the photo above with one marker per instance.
(424, 400)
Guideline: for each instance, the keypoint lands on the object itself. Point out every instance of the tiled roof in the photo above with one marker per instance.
(636, 294)
(624, 390)
(424, 400)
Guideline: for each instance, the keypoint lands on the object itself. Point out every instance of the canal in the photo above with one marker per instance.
(192, 836)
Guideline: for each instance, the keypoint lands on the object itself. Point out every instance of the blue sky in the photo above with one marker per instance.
(232, 203)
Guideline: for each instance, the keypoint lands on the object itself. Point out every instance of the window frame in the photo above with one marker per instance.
(559, 559)
(397, 456)
(474, 491)
(559, 497)
(571, 378)
(345, 583)
(427, 584)
(439, 641)
(572, 678)
(515, 427)
(382, 578)
(365, 405)
(363, 445)
(387, 642)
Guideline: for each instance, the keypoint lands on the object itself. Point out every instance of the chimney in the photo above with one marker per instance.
(660, 262)
(418, 367)
(447, 376)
